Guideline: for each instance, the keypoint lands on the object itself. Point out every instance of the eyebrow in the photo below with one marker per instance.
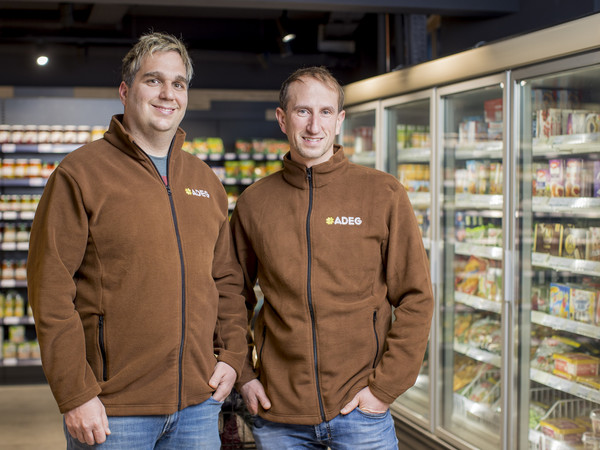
(161, 75)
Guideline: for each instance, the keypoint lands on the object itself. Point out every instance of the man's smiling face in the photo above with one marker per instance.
(156, 101)
(311, 120)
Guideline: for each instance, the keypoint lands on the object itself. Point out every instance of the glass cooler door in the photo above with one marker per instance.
(559, 252)
(472, 229)
(359, 134)
(408, 145)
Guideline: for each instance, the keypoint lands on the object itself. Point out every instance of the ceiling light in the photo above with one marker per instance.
(42, 60)
(288, 37)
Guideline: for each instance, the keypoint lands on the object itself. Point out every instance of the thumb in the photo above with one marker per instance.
(350, 406)
(264, 400)
(214, 381)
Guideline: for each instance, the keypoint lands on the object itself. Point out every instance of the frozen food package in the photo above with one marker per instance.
(574, 178)
(557, 178)
(559, 300)
(574, 241)
(548, 238)
(583, 304)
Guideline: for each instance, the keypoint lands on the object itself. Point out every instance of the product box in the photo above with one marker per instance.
(562, 429)
(493, 110)
(574, 179)
(559, 300)
(592, 248)
(542, 183)
(495, 183)
(557, 178)
(595, 171)
(548, 238)
(574, 241)
(549, 123)
(583, 304)
(576, 364)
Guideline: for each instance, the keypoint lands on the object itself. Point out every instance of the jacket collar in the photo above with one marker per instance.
(322, 174)
(120, 138)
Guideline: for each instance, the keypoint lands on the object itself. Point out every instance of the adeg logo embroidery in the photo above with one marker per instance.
(197, 192)
(342, 220)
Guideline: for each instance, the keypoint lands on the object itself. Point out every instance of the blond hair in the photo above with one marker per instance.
(147, 45)
(320, 73)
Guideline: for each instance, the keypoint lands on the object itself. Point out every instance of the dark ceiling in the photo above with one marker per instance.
(234, 43)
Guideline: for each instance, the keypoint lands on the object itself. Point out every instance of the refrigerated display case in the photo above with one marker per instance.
(514, 181)
(558, 283)
(407, 140)
(472, 227)
(359, 135)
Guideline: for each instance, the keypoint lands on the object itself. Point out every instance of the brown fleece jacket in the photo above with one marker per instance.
(134, 285)
(332, 253)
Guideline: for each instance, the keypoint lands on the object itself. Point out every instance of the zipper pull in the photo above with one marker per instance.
(309, 175)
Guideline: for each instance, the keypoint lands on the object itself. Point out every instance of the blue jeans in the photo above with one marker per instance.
(195, 427)
(358, 430)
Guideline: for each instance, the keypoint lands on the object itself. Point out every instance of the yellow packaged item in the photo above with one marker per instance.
(577, 364)
(562, 429)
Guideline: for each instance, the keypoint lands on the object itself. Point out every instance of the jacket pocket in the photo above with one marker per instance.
(376, 338)
(101, 342)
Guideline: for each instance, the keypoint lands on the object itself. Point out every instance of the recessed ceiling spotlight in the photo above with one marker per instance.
(42, 60)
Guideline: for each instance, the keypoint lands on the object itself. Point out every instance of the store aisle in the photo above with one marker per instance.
(29, 419)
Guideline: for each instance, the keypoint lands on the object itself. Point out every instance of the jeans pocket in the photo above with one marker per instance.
(373, 415)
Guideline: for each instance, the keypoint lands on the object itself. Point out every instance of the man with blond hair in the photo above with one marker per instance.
(134, 285)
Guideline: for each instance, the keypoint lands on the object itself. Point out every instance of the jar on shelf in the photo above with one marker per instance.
(84, 134)
(8, 168)
(56, 134)
(47, 169)
(34, 168)
(4, 134)
(20, 170)
(70, 134)
(30, 135)
(16, 134)
(43, 134)
(97, 132)
(8, 269)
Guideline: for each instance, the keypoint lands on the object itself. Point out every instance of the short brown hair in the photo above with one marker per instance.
(320, 73)
(147, 45)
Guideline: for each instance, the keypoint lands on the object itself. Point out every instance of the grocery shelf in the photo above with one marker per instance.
(478, 354)
(579, 266)
(571, 326)
(483, 251)
(478, 302)
(38, 148)
(570, 387)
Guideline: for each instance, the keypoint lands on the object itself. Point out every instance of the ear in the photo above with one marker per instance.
(280, 114)
(123, 90)
(340, 118)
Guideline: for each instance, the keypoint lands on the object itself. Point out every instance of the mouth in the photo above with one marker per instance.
(312, 140)
(164, 109)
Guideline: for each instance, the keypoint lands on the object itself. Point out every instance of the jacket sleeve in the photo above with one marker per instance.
(230, 341)
(58, 241)
(410, 292)
(248, 261)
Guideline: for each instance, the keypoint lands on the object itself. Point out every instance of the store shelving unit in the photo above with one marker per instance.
(495, 310)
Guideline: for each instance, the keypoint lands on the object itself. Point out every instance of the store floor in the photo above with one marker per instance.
(29, 419)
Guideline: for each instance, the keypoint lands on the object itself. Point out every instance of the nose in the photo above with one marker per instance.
(314, 125)
(166, 91)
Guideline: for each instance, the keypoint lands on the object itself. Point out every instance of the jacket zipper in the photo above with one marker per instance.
(376, 338)
(181, 263)
(102, 347)
(309, 292)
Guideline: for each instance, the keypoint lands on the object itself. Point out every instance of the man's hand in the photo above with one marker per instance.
(222, 380)
(88, 423)
(366, 401)
(253, 392)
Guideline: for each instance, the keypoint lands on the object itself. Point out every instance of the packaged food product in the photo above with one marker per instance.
(495, 182)
(562, 429)
(574, 242)
(582, 304)
(577, 364)
(548, 238)
(595, 178)
(595, 418)
(593, 244)
(590, 440)
(548, 122)
(592, 381)
(493, 110)
(4, 134)
(557, 178)
(43, 134)
(559, 300)
(30, 134)
(574, 178)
